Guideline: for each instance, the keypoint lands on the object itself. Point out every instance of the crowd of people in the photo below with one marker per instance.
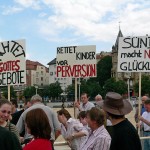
(102, 126)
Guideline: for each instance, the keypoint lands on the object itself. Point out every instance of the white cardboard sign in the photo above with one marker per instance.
(134, 54)
(12, 63)
(76, 61)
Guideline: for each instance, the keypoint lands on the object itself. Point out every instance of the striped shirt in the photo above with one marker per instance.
(11, 127)
(97, 140)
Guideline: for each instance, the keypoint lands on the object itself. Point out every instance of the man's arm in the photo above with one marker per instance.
(144, 120)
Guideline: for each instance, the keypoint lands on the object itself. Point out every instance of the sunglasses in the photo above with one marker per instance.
(4, 112)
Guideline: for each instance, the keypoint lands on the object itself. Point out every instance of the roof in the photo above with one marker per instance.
(117, 40)
(32, 65)
(52, 62)
(115, 47)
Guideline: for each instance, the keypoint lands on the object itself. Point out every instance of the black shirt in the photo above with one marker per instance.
(124, 136)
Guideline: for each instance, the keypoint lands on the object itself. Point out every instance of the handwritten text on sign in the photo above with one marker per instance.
(76, 61)
(134, 54)
(12, 63)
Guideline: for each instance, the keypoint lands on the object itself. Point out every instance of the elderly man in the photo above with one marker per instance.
(99, 101)
(36, 102)
(143, 99)
(99, 138)
(85, 105)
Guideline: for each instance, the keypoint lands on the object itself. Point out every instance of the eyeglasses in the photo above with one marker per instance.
(4, 111)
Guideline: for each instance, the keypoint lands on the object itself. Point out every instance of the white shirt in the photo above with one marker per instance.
(97, 140)
(87, 106)
(146, 115)
(74, 126)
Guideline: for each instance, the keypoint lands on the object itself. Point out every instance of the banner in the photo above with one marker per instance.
(76, 61)
(12, 63)
(134, 54)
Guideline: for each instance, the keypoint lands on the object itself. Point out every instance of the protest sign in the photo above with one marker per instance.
(12, 63)
(76, 61)
(134, 54)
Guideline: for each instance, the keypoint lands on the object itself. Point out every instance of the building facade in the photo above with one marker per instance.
(36, 74)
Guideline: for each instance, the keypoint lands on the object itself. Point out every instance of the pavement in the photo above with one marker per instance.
(61, 139)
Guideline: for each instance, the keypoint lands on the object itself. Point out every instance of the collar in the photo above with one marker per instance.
(98, 130)
(84, 105)
(70, 120)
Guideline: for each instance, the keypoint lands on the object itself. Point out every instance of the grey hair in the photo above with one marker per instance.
(37, 98)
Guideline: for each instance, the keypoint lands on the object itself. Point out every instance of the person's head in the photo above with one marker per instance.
(143, 99)
(27, 104)
(98, 98)
(82, 117)
(14, 105)
(5, 110)
(95, 118)
(63, 116)
(147, 105)
(37, 124)
(116, 105)
(36, 98)
(84, 98)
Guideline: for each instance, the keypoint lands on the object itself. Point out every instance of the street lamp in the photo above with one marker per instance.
(129, 87)
(36, 87)
(79, 83)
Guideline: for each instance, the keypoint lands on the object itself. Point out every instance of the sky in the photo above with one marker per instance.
(48, 24)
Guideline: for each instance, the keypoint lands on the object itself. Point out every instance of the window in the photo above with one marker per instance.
(41, 78)
(51, 73)
(41, 72)
(37, 74)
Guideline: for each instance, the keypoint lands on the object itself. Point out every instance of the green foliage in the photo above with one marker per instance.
(55, 90)
(12, 92)
(145, 85)
(104, 70)
(29, 92)
(52, 90)
(111, 85)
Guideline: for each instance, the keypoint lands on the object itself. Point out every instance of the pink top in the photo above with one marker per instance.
(39, 144)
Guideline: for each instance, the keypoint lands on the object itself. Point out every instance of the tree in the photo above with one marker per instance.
(104, 70)
(145, 85)
(111, 85)
(29, 92)
(55, 89)
(12, 92)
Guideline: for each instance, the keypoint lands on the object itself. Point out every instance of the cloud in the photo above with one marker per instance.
(79, 19)
(97, 21)
(42, 14)
(9, 10)
(35, 4)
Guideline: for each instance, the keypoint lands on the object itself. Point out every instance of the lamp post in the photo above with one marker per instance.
(79, 83)
(36, 87)
(129, 87)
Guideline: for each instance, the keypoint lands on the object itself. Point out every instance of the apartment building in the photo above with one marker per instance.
(36, 74)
